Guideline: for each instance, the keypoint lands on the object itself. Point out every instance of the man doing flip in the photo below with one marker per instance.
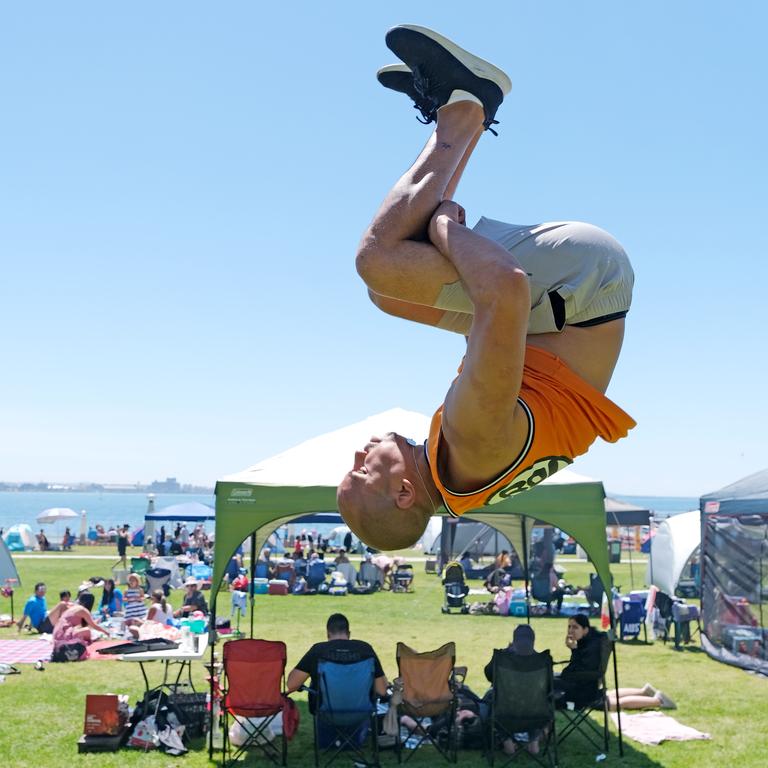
(542, 307)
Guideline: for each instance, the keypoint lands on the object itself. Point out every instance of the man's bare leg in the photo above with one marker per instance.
(395, 257)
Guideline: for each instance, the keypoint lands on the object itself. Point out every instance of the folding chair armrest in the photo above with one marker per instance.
(585, 677)
(458, 675)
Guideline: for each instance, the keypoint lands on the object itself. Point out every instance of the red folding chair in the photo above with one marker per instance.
(253, 696)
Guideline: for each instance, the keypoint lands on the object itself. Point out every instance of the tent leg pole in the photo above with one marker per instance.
(253, 576)
(616, 682)
(211, 686)
(525, 570)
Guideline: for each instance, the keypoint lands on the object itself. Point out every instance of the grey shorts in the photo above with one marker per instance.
(579, 273)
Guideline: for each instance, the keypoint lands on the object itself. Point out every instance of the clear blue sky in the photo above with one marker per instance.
(182, 187)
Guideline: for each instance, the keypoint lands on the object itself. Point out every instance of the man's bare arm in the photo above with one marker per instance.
(482, 424)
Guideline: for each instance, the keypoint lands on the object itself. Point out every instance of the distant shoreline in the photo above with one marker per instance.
(95, 488)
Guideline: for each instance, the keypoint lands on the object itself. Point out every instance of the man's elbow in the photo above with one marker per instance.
(506, 288)
(368, 261)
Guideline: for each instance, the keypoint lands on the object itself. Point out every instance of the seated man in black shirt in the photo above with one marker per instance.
(340, 650)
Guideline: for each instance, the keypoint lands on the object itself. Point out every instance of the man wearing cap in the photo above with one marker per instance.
(193, 599)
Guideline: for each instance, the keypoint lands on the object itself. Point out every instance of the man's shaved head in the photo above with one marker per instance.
(380, 523)
(383, 498)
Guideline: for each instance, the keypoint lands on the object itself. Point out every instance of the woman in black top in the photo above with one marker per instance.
(578, 682)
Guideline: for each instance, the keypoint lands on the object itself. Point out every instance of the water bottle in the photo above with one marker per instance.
(186, 638)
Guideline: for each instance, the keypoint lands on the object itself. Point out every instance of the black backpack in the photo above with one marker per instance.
(68, 652)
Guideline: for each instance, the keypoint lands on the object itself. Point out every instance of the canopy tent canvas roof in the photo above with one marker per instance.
(619, 512)
(303, 480)
(188, 512)
(746, 496)
(675, 541)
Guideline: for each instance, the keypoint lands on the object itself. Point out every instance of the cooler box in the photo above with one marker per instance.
(518, 608)
(277, 587)
(103, 714)
(260, 586)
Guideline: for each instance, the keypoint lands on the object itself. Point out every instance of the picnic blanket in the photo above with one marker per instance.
(92, 651)
(25, 651)
(655, 727)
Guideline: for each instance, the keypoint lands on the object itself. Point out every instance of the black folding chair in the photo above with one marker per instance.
(578, 717)
(345, 713)
(523, 706)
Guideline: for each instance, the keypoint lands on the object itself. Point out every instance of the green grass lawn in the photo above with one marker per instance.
(41, 713)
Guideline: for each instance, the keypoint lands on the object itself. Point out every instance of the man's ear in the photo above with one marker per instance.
(406, 495)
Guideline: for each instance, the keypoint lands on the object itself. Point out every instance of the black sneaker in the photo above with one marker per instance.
(441, 67)
(399, 78)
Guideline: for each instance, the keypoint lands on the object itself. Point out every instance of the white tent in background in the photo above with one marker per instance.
(675, 541)
(324, 460)
(431, 536)
(20, 537)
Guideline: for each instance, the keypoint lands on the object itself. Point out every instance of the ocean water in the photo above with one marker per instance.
(109, 509)
(662, 506)
(113, 509)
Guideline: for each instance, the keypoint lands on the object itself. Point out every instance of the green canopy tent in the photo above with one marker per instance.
(303, 480)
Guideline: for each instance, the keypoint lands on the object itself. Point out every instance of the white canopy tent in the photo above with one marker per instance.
(675, 541)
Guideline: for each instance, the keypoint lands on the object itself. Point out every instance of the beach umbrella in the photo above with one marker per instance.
(56, 515)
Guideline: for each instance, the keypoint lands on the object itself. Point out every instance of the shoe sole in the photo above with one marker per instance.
(400, 38)
(397, 77)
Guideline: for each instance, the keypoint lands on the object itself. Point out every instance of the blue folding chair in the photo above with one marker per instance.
(316, 574)
(261, 570)
(345, 712)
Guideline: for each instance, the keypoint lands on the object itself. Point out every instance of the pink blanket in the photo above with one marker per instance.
(25, 651)
(655, 727)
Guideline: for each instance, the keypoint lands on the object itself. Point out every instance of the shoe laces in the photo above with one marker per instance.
(424, 102)
(428, 105)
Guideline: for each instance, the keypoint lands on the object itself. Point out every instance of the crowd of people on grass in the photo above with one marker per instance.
(138, 612)
(576, 685)
(304, 569)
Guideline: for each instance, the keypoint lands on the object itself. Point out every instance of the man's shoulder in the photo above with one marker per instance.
(344, 651)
